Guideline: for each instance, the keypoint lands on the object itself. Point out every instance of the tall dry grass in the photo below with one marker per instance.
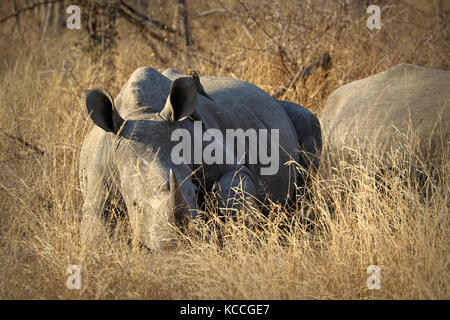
(363, 215)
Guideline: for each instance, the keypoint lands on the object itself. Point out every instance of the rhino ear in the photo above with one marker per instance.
(101, 109)
(182, 100)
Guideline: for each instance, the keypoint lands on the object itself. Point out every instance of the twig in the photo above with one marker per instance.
(15, 14)
(280, 48)
(323, 61)
(47, 20)
(421, 11)
(214, 63)
(17, 23)
(153, 47)
(141, 23)
(208, 12)
(187, 29)
(143, 18)
(25, 143)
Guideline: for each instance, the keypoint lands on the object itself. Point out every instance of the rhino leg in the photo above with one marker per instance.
(100, 192)
(309, 135)
(235, 191)
(92, 223)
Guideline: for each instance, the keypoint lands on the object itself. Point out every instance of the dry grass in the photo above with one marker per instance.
(359, 220)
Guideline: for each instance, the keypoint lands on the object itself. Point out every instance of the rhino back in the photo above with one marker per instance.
(240, 105)
(372, 111)
(236, 105)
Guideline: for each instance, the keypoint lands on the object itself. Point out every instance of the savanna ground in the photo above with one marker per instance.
(45, 70)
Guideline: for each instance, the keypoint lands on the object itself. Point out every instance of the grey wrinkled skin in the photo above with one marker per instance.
(127, 154)
(383, 109)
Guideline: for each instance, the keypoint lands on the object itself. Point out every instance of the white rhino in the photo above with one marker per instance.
(403, 102)
(127, 157)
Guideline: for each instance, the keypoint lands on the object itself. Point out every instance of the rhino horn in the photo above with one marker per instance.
(178, 205)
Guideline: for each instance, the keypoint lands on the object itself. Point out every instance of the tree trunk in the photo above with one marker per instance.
(187, 29)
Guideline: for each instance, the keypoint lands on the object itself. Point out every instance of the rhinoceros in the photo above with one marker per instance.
(127, 157)
(380, 113)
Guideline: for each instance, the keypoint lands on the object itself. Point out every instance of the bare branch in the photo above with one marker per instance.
(15, 14)
(210, 11)
(25, 143)
(187, 29)
(323, 61)
(143, 19)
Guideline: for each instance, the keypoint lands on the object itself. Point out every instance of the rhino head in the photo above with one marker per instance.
(158, 193)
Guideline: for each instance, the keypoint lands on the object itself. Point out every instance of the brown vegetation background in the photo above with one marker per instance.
(45, 68)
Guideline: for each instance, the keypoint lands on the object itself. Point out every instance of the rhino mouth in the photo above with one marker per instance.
(171, 203)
